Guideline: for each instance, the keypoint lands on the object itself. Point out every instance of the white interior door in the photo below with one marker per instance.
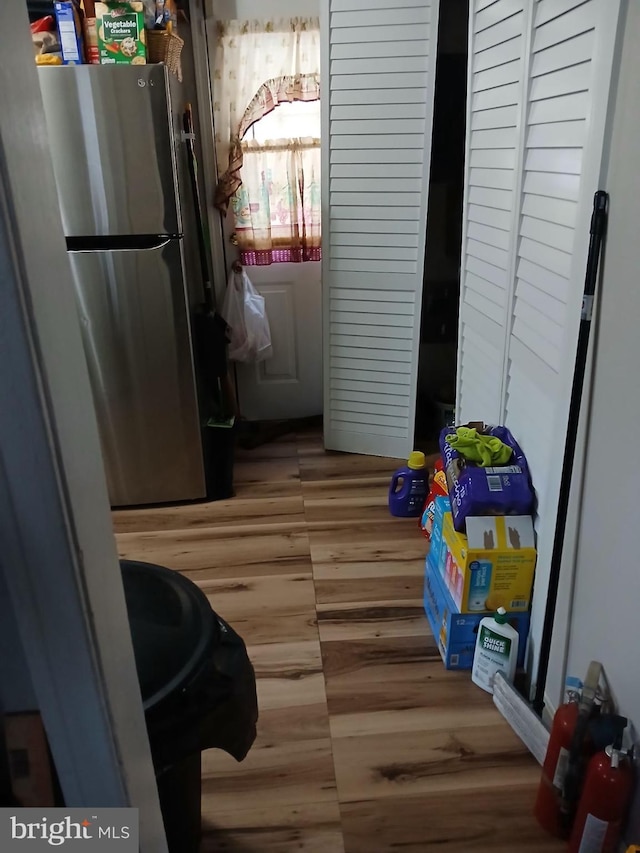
(571, 63)
(288, 385)
(540, 76)
(496, 73)
(378, 72)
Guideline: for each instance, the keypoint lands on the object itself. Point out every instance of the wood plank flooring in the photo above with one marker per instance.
(366, 744)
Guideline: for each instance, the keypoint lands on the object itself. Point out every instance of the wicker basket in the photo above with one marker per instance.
(165, 47)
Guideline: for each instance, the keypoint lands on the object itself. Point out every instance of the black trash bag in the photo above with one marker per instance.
(198, 685)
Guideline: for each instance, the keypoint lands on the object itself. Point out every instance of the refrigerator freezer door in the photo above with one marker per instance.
(110, 132)
(135, 328)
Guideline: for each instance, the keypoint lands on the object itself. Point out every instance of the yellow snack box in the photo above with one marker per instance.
(493, 565)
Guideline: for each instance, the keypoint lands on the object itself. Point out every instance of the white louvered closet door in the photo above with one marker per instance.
(570, 72)
(540, 80)
(494, 115)
(377, 94)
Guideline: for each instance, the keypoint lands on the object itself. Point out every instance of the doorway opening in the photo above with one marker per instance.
(267, 124)
(281, 178)
(441, 283)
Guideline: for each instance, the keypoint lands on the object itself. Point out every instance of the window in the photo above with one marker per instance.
(277, 207)
(266, 90)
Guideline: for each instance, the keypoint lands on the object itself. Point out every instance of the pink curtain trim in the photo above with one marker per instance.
(262, 257)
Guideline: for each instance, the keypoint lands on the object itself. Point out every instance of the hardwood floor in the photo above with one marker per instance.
(366, 744)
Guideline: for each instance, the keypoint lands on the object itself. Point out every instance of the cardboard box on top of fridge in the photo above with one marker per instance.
(121, 35)
(455, 633)
(493, 565)
(69, 31)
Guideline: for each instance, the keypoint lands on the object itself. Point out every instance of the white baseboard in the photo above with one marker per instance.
(549, 712)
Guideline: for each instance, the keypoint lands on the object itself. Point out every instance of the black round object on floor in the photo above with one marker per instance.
(171, 628)
(198, 688)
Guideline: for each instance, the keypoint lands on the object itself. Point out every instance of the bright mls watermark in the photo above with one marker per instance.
(103, 830)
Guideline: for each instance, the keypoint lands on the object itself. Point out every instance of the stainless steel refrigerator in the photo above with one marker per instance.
(114, 134)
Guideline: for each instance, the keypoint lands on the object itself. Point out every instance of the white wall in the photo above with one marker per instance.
(228, 10)
(59, 561)
(604, 623)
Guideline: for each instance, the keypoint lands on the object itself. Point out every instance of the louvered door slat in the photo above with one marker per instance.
(375, 80)
(364, 33)
(378, 77)
(357, 5)
(365, 18)
(563, 55)
(495, 13)
(498, 75)
(560, 27)
(374, 49)
(500, 96)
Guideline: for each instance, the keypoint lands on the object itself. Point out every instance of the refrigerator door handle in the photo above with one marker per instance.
(137, 243)
(160, 245)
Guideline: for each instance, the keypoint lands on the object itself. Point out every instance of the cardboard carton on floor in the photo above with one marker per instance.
(493, 565)
(437, 547)
(455, 632)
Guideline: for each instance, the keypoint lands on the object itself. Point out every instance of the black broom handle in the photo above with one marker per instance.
(187, 124)
(598, 226)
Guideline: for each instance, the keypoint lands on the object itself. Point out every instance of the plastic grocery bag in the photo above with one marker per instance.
(244, 311)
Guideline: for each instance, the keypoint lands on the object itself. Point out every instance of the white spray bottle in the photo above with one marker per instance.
(496, 650)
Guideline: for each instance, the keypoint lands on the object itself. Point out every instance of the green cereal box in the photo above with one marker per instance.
(121, 37)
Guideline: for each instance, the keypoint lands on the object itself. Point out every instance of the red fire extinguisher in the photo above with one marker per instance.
(548, 801)
(605, 798)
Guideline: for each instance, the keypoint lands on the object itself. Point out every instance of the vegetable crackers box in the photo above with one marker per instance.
(121, 37)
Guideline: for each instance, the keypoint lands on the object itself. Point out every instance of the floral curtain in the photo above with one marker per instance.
(277, 208)
(258, 64)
